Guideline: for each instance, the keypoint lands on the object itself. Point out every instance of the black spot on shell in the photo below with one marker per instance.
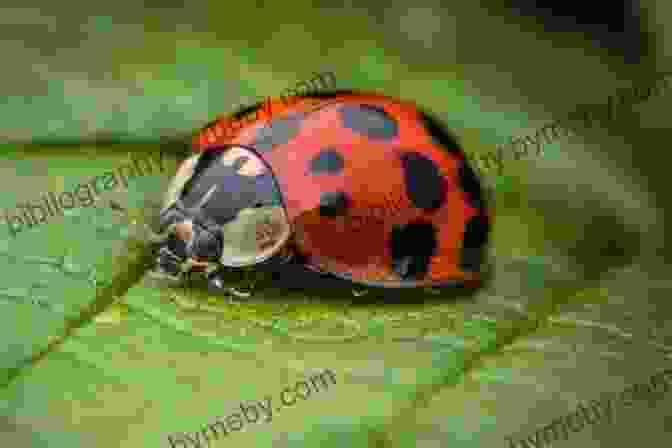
(475, 238)
(470, 185)
(278, 132)
(327, 161)
(440, 134)
(412, 247)
(425, 186)
(368, 120)
(333, 203)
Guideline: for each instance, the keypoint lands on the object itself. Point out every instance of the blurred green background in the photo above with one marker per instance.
(577, 309)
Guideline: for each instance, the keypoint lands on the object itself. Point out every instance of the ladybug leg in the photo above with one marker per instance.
(287, 253)
(250, 286)
(359, 291)
(240, 294)
(186, 276)
(216, 282)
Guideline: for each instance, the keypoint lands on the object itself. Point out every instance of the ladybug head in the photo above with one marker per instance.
(223, 207)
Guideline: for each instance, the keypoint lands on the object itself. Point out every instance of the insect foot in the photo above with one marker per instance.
(359, 292)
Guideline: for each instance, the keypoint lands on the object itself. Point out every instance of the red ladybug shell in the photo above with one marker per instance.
(375, 191)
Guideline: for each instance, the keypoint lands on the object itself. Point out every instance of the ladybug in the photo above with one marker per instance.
(359, 186)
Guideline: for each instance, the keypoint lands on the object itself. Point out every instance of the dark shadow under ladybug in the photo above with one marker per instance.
(293, 277)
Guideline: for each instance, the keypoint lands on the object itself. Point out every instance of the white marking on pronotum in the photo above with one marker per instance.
(206, 198)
